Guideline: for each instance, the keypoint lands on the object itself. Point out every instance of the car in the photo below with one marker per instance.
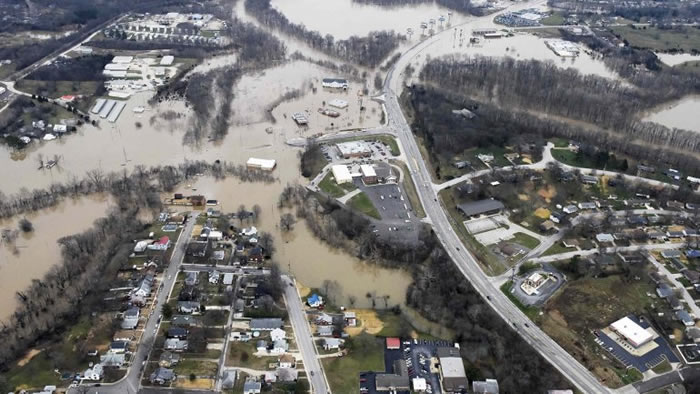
(527, 325)
(488, 297)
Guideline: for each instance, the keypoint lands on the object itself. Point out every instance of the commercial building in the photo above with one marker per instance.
(452, 374)
(481, 207)
(354, 149)
(335, 83)
(369, 176)
(533, 283)
(399, 380)
(488, 386)
(631, 332)
(262, 164)
(338, 103)
(167, 60)
(341, 174)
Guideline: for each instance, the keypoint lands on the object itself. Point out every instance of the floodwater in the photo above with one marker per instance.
(674, 59)
(682, 114)
(300, 252)
(38, 250)
(345, 18)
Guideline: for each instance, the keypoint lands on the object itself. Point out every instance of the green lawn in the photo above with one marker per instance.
(683, 38)
(197, 367)
(557, 248)
(362, 203)
(572, 158)
(629, 375)
(55, 89)
(36, 373)
(342, 372)
(525, 240)
(555, 19)
(559, 142)
(241, 354)
(665, 366)
(329, 186)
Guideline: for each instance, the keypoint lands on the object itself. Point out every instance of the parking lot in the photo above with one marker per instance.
(398, 220)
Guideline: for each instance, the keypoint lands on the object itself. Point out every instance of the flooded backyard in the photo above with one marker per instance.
(38, 251)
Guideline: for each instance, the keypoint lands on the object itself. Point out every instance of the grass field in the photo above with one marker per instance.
(362, 203)
(525, 240)
(241, 354)
(557, 248)
(197, 367)
(342, 372)
(329, 186)
(555, 19)
(55, 89)
(684, 39)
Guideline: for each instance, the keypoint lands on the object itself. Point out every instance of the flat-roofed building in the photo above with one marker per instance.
(481, 207)
(262, 164)
(167, 60)
(341, 174)
(335, 83)
(354, 149)
(452, 374)
(631, 331)
(369, 176)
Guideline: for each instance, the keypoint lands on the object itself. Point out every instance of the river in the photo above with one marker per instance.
(682, 114)
(38, 250)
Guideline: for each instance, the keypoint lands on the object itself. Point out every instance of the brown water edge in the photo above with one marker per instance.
(39, 250)
(681, 114)
(309, 259)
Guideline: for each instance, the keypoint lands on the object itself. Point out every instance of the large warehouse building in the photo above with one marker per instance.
(631, 331)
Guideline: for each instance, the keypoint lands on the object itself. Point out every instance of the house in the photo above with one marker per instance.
(261, 346)
(190, 278)
(162, 376)
(675, 234)
(587, 205)
(214, 277)
(228, 279)
(604, 238)
(315, 300)
(131, 318)
(685, 318)
(631, 257)
(177, 332)
(277, 334)
(569, 209)
(674, 303)
(184, 321)
(332, 343)
(481, 207)
(175, 345)
(324, 319)
(249, 232)
(168, 359)
(287, 361)
(677, 264)
(111, 359)
(197, 248)
(670, 254)
(547, 225)
(279, 347)
(691, 275)
(656, 235)
(570, 243)
(324, 331)
(118, 346)
(144, 288)
(252, 387)
(255, 255)
(265, 324)
(141, 246)
(163, 243)
(637, 220)
(198, 201)
(350, 319)
(589, 179)
(188, 307)
(488, 386)
(229, 379)
(94, 373)
(287, 374)
(664, 290)
(693, 253)
(693, 333)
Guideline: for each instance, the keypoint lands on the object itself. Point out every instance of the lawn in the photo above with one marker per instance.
(572, 158)
(37, 373)
(525, 240)
(557, 248)
(342, 372)
(329, 186)
(241, 354)
(683, 39)
(410, 188)
(663, 367)
(556, 19)
(198, 367)
(362, 203)
(55, 89)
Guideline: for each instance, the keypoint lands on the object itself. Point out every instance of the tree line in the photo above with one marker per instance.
(366, 51)
(463, 6)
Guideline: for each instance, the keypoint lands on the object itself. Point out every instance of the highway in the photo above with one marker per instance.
(568, 366)
(305, 342)
(131, 381)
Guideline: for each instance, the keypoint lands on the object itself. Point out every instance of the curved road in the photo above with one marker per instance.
(568, 366)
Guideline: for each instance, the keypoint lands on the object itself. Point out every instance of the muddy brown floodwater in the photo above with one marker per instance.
(38, 250)
(681, 114)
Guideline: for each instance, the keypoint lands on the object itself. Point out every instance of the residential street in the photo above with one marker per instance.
(131, 382)
(305, 342)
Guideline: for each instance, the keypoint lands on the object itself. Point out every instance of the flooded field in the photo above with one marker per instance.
(682, 114)
(299, 251)
(38, 250)
(359, 19)
(674, 59)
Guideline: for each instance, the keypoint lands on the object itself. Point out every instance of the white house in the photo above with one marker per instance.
(94, 373)
(332, 343)
(280, 347)
(277, 334)
(287, 361)
(214, 277)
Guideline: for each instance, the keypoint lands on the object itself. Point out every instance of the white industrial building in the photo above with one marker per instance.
(123, 59)
(335, 83)
(341, 174)
(167, 60)
(338, 103)
(262, 164)
(631, 331)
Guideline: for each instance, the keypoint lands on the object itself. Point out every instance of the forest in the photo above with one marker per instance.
(367, 51)
(83, 68)
(463, 6)
(439, 292)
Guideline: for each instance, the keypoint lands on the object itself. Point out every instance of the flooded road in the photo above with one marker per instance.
(682, 114)
(38, 250)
